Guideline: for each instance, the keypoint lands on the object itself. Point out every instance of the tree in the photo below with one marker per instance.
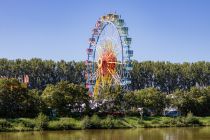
(111, 99)
(197, 101)
(15, 100)
(149, 98)
(66, 98)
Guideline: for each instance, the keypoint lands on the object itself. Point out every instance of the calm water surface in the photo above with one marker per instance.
(201, 133)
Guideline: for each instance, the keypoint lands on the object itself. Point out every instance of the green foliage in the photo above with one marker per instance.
(62, 124)
(140, 121)
(15, 100)
(41, 122)
(196, 100)
(111, 99)
(4, 124)
(85, 123)
(168, 76)
(25, 122)
(43, 72)
(190, 119)
(66, 98)
(149, 98)
(108, 122)
(155, 121)
(95, 121)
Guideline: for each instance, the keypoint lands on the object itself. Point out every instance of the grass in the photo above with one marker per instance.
(94, 122)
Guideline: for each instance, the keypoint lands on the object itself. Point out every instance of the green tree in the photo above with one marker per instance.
(111, 99)
(66, 98)
(149, 98)
(15, 100)
(197, 101)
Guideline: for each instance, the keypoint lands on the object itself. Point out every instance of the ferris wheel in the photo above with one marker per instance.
(108, 55)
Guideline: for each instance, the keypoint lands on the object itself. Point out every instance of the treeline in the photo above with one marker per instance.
(165, 76)
(43, 72)
(65, 99)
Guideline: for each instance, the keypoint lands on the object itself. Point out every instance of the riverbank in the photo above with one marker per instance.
(95, 122)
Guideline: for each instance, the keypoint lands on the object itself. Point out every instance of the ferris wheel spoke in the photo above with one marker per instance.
(115, 63)
(109, 71)
(98, 53)
(115, 77)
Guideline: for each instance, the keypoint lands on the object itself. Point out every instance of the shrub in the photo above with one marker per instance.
(85, 123)
(95, 121)
(179, 121)
(62, 124)
(191, 120)
(165, 123)
(155, 121)
(108, 122)
(29, 123)
(4, 124)
(147, 125)
(41, 122)
(140, 121)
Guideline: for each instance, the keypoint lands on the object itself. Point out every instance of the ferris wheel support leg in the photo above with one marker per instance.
(96, 88)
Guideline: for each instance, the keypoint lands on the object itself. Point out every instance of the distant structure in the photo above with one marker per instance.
(26, 79)
(21, 79)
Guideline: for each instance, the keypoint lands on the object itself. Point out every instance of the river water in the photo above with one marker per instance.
(199, 133)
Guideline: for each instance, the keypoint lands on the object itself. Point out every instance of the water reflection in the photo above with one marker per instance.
(201, 133)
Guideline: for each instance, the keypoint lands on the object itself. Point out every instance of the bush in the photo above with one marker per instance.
(29, 123)
(62, 124)
(191, 120)
(121, 123)
(147, 125)
(41, 122)
(4, 124)
(108, 122)
(95, 121)
(140, 121)
(92, 122)
(179, 121)
(85, 123)
(155, 121)
(165, 122)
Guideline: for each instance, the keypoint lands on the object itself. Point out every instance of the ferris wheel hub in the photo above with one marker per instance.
(107, 62)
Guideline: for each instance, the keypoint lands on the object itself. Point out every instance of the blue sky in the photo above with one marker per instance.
(162, 30)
